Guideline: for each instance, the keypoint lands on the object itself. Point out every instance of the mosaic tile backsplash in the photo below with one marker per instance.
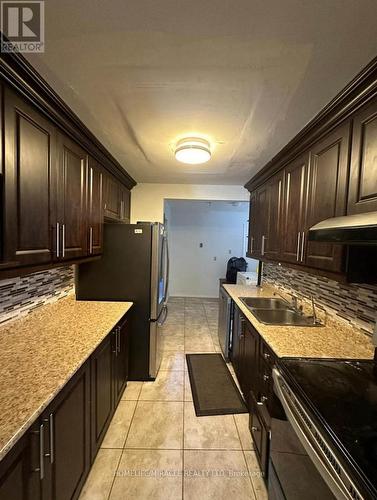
(19, 296)
(357, 304)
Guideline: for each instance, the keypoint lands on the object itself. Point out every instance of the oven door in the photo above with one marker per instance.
(302, 463)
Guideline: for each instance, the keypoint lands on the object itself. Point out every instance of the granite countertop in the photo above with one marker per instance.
(40, 353)
(335, 340)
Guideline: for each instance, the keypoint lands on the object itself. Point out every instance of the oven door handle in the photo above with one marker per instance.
(333, 481)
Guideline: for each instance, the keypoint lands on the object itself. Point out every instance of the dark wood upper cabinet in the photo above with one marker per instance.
(327, 196)
(95, 207)
(112, 201)
(125, 203)
(29, 209)
(71, 200)
(252, 225)
(274, 216)
(363, 179)
(294, 209)
(258, 222)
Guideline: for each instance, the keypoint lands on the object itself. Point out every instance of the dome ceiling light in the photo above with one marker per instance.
(193, 151)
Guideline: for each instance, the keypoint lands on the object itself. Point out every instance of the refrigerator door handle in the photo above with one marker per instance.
(166, 269)
(164, 315)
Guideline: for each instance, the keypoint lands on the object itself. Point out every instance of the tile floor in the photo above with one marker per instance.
(157, 448)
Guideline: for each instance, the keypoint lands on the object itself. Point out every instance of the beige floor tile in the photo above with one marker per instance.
(176, 345)
(216, 475)
(173, 329)
(199, 346)
(196, 330)
(100, 480)
(156, 425)
(218, 432)
(149, 474)
(168, 386)
(132, 391)
(256, 476)
(242, 423)
(117, 432)
(173, 361)
(188, 393)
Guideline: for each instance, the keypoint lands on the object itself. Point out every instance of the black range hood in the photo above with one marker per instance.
(359, 229)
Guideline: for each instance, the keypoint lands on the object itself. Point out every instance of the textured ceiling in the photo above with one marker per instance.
(245, 74)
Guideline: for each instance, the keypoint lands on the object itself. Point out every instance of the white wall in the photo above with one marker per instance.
(147, 200)
(220, 227)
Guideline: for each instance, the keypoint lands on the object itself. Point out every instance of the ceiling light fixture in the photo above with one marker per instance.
(193, 151)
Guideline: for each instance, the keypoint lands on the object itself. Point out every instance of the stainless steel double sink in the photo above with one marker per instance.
(274, 311)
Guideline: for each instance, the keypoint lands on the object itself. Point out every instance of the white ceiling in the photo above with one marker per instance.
(245, 74)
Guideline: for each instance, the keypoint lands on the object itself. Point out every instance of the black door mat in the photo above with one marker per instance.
(214, 391)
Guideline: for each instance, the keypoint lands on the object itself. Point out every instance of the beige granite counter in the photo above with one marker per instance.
(335, 340)
(41, 352)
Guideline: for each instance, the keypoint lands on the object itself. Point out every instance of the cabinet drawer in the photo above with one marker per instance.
(267, 355)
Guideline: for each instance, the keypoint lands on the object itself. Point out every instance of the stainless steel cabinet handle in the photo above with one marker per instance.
(116, 342)
(50, 421)
(63, 240)
(298, 246)
(91, 239)
(254, 429)
(263, 240)
(302, 246)
(118, 336)
(52, 444)
(266, 377)
(41, 468)
(266, 355)
(263, 399)
(57, 240)
(252, 244)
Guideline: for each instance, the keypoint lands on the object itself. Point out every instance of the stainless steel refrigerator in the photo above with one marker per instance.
(134, 267)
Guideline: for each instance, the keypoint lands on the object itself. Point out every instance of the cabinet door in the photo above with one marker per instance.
(112, 201)
(121, 361)
(262, 220)
(20, 477)
(72, 216)
(238, 341)
(95, 207)
(363, 179)
(258, 222)
(274, 216)
(327, 196)
(101, 392)
(249, 380)
(259, 432)
(125, 197)
(252, 225)
(69, 420)
(30, 143)
(294, 209)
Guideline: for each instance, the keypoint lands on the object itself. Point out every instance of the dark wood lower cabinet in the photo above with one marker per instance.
(52, 460)
(122, 340)
(67, 439)
(19, 474)
(253, 362)
(101, 390)
(109, 374)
